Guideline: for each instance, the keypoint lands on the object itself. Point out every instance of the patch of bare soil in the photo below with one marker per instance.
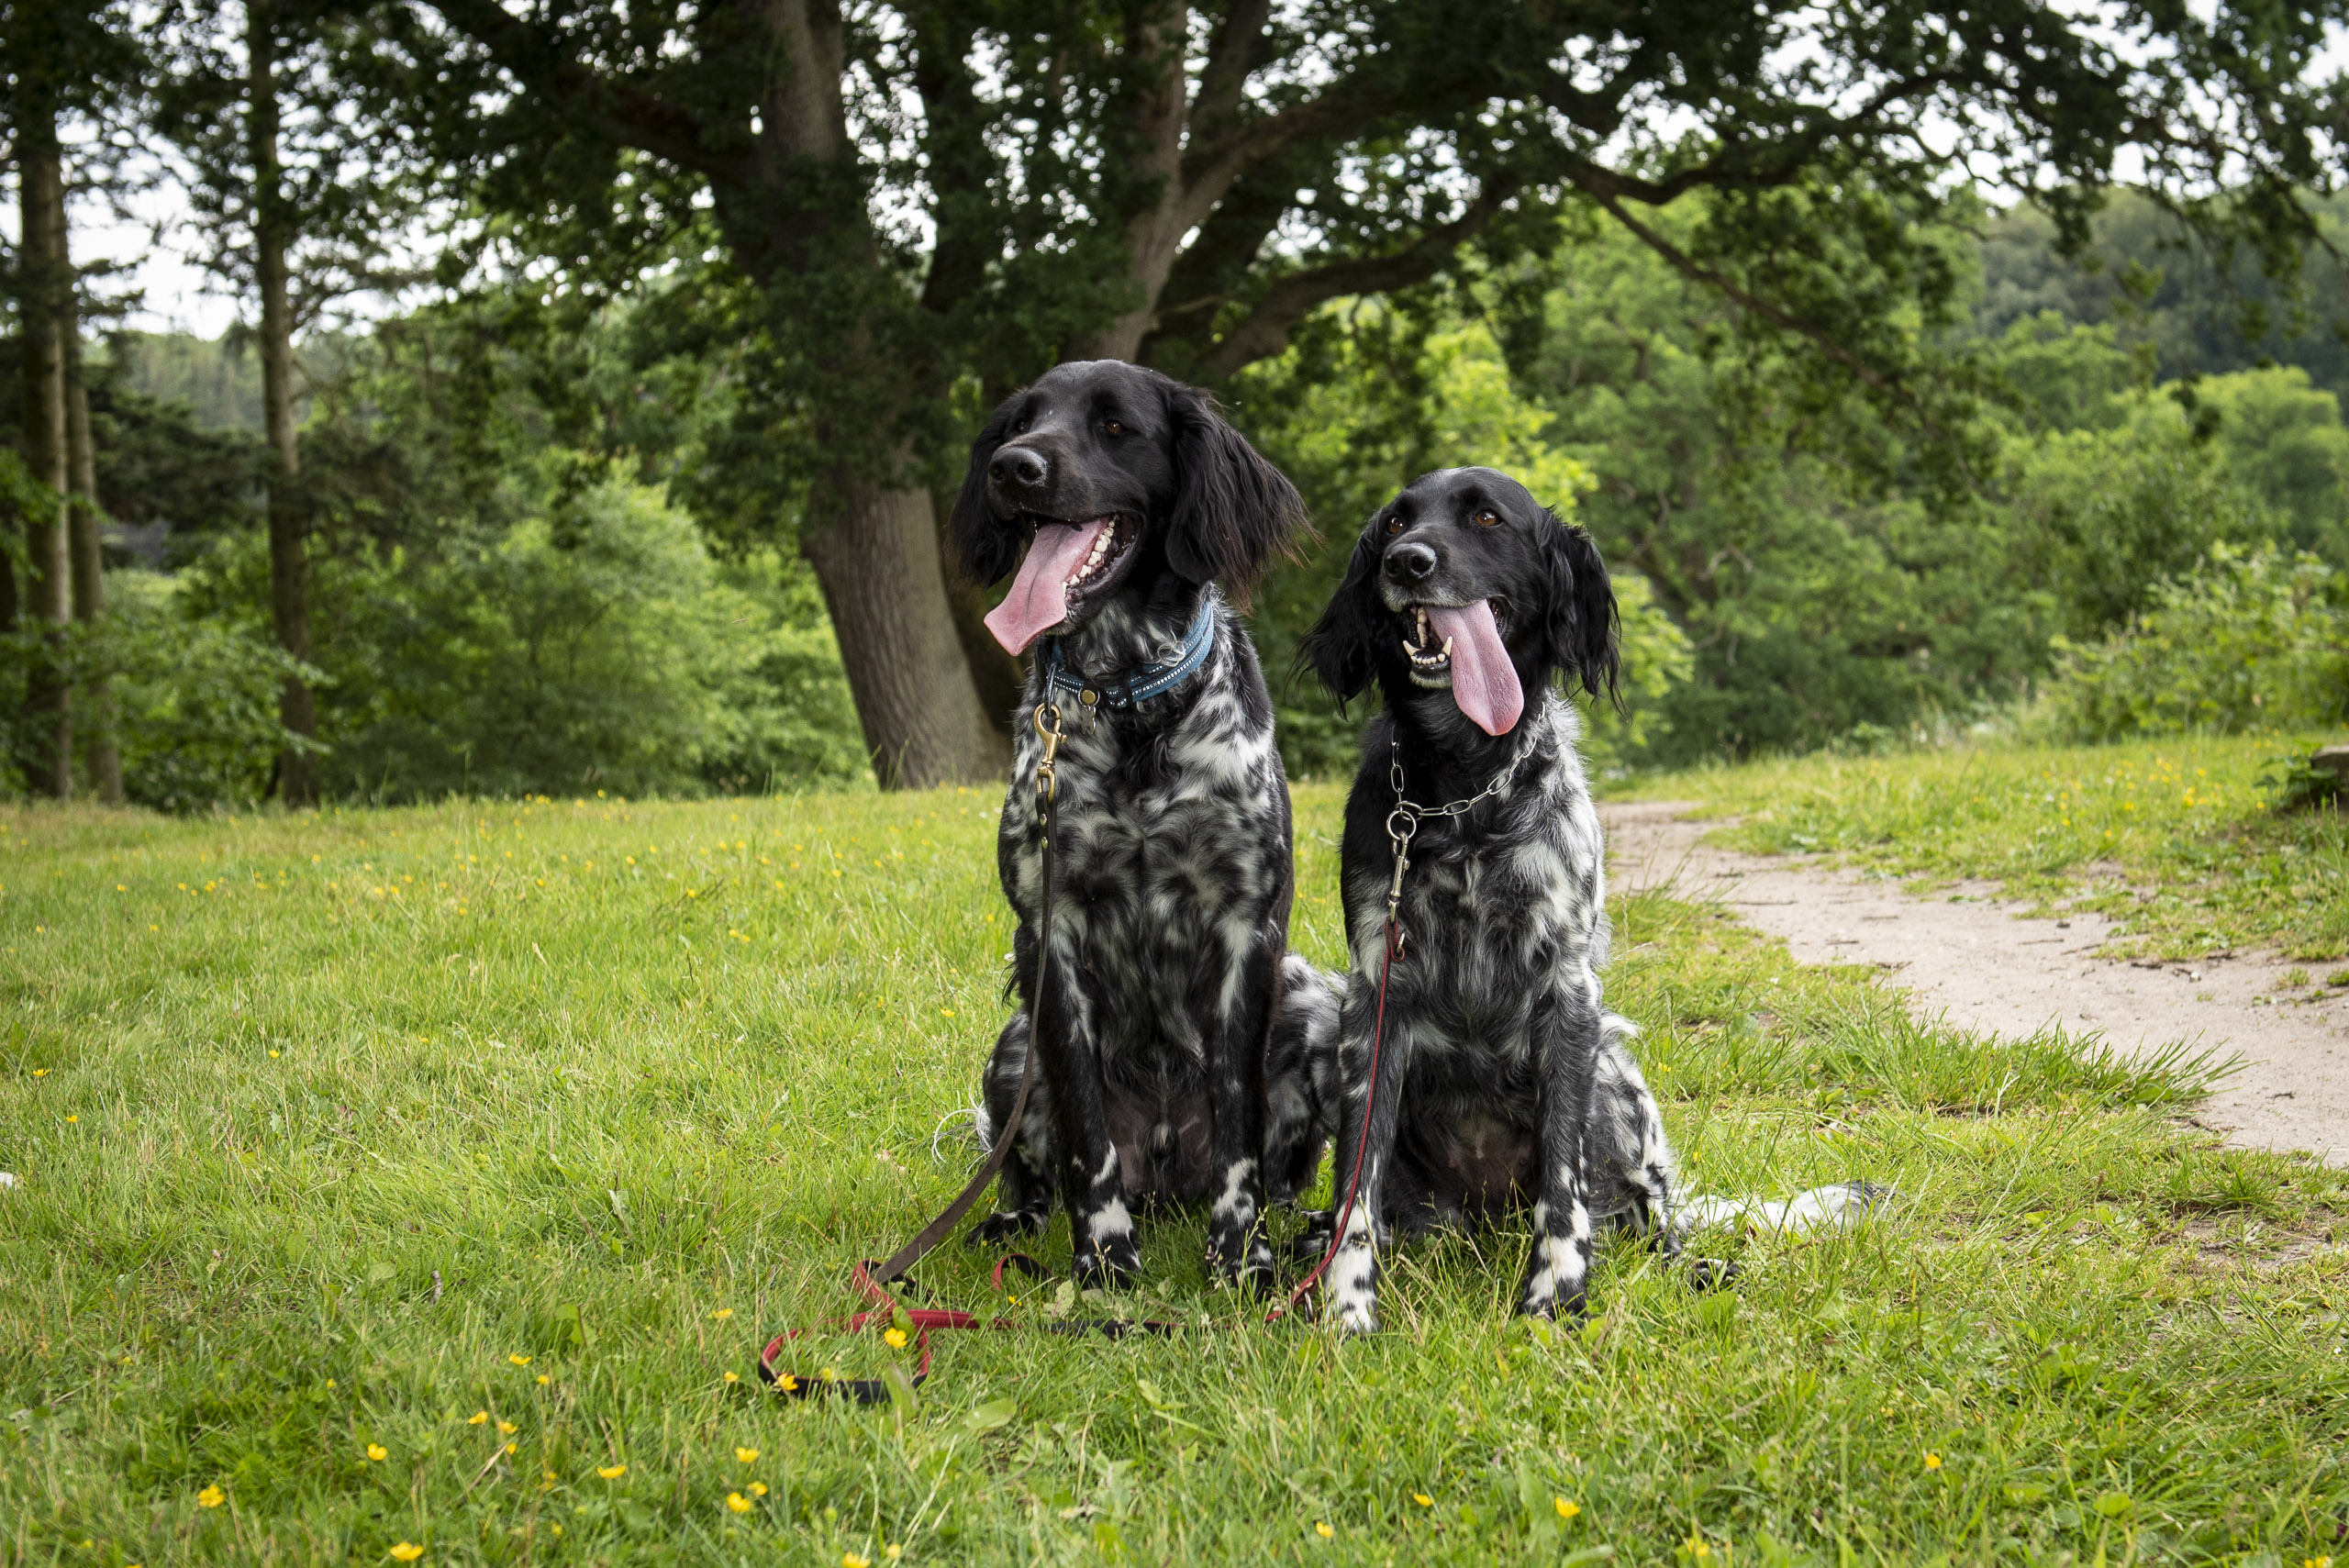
(1966, 953)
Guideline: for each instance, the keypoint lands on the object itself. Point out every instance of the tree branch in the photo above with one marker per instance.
(1688, 267)
(1265, 330)
(626, 113)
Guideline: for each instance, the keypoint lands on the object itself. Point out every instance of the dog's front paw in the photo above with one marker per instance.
(1308, 1245)
(1106, 1261)
(997, 1230)
(1242, 1258)
(1709, 1273)
(1569, 1309)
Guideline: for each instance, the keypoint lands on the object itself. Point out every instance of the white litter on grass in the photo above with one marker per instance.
(977, 1132)
(6, 1181)
(1836, 1208)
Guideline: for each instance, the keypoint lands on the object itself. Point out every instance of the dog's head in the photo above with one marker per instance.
(1464, 583)
(1111, 479)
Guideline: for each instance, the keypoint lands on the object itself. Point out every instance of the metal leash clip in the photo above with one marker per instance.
(1401, 824)
(1046, 783)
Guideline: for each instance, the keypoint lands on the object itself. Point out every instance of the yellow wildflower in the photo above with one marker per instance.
(478, 1416)
(519, 1360)
(210, 1497)
(611, 1472)
(758, 1488)
(378, 1453)
(1567, 1510)
(722, 1314)
(738, 1502)
(850, 1559)
(1423, 1500)
(744, 1455)
(509, 1428)
(732, 1377)
(896, 1338)
(408, 1551)
(1933, 1462)
(1323, 1530)
(544, 1380)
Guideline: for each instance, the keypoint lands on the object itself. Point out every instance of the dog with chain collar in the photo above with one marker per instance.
(1475, 895)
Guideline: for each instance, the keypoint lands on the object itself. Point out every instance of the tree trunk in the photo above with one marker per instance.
(101, 757)
(1155, 45)
(48, 758)
(289, 587)
(875, 555)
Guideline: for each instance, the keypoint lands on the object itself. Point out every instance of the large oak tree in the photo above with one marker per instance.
(928, 201)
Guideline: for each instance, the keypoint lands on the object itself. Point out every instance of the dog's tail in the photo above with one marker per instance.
(1837, 1206)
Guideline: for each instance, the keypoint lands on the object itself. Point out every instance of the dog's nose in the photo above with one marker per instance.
(1018, 467)
(1410, 562)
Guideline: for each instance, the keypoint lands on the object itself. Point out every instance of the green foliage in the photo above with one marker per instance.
(597, 646)
(2282, 440)
(1822, 584)
(2191, 308)
(2100, 517)
(2294, 783)
(2247, 641)
(195, 697)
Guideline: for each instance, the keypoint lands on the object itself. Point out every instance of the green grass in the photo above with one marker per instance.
(323, 1122)
(2172, 836)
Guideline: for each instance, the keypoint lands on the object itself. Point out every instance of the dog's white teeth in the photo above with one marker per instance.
(1447, 648)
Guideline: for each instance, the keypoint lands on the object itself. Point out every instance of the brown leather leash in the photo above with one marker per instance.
(871, 1280)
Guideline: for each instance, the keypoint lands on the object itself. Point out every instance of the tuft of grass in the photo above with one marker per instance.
(357, 1147)
(2176, 837)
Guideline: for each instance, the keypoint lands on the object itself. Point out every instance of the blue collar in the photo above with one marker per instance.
(1080, 697)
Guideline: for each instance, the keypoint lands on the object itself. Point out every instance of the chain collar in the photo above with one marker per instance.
(1403, 822)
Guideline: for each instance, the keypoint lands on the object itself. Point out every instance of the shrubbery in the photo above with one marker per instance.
(2247, 641)
(195, 697)
(600, 647)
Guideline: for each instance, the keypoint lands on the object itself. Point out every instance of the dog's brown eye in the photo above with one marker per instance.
(1487, 518)
(1393, 527)
(1111, 427)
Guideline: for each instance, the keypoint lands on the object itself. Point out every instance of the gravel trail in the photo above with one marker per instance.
(1963, 952)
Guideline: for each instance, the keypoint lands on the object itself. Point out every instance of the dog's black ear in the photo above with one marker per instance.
(1232, 509)
(1343, 646)
(985, 546)
(1583, 622)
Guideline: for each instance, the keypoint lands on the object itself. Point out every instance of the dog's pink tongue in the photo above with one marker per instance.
(1039, 597)
(1484, 683)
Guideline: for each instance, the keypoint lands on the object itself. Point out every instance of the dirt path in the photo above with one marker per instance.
(1965, 954)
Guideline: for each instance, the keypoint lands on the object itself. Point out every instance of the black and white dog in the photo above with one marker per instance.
(1123, 499)
(1502, 1077)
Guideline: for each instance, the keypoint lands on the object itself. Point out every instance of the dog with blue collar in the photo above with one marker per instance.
(1117, 501)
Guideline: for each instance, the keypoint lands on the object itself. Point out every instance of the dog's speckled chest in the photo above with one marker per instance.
(1170, 844)
(1500, 910)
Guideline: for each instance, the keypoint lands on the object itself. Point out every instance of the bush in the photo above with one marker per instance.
(2256, 641)
(195, 697)
(599, 648)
